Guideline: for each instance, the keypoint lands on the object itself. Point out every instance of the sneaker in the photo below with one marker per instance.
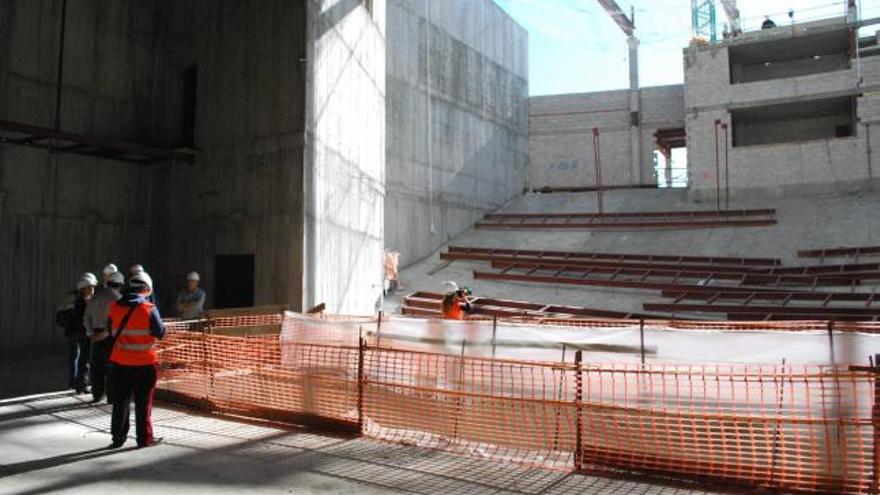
(152, 443)
(116, 445)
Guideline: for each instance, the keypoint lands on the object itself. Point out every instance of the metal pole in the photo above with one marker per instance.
(642, 339)
(379, 330)
(831, 340)
(597, 159)
(578, 399)
(360, 384)
(875, 423)
(717, 169)
(726, 167)
(59, 75)
(494, 329)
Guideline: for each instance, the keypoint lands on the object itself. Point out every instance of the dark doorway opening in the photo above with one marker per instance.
(234, 281)
(190, 85)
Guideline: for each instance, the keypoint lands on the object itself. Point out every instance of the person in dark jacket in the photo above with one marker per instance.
(78, 345)
(98, 333)
(135, 326)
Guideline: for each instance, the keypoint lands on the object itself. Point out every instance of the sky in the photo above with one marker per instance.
(574, 46)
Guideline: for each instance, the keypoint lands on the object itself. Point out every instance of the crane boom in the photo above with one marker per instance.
(732, 13)
(625, 23)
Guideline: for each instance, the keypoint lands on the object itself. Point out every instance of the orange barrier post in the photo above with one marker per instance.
(578, 400)
(875, 422)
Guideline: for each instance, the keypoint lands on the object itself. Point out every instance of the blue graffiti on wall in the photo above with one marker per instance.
(564, 165)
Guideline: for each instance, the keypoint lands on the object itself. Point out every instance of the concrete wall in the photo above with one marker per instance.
(822, 165)
(457, 123)
(561, 141)
(243, 193)
(61, 215)
(345, 155)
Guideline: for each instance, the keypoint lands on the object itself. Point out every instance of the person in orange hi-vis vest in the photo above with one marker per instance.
(135, 326)
(455, 302)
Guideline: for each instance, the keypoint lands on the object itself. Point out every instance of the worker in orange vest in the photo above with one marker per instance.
(135, 325)
(455, 302)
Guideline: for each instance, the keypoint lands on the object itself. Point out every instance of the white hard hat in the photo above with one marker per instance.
(451, 286)
(136, 269)
(83, 282)
(109, 269)
(193, 276)
(141, 279)
(116, 278)
(88, 277)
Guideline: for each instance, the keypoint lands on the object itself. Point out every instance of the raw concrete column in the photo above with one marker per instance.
(635, 112)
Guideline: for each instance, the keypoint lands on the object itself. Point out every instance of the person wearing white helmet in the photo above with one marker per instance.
(136, 269)
(70, 316)
(456, 302)
(107, 271)
(135, 326)
(95, 322)
(191, 301)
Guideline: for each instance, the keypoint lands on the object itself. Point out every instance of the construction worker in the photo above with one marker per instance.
(191, 301)
(456, 302)
(138, 268)
(70, 316)
(95, 322)
(107, 271)
(135, 324)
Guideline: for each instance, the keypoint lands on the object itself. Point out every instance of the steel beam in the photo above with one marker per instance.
(677, 224)
(807, 311)
(622, 284)
(428, 303)
(682, 272)
(840, 252)
(657, 258)
(116, 150)
(640, 214)
(861, 271)
(826, 298)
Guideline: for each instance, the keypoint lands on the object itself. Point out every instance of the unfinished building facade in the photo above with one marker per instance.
(798, 103)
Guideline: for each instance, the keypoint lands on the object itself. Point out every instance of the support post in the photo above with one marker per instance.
(494, 330)
(60, 75)
(717, 168)
(597, 159)
(875, 423)
(726, 166)
(642, 339)
(360, 385)
(831, 341)
(578, 399)
(379, 330)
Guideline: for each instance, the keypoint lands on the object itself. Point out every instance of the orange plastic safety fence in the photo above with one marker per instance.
(800, 428)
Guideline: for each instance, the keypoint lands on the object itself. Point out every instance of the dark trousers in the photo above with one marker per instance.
(98, 371)
(139, 382)
(77, 360)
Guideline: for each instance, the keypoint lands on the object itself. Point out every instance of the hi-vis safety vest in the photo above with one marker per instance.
(135, 346)
(453, 311)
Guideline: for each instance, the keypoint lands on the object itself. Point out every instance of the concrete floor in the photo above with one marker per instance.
(803, 223)
(54, 442)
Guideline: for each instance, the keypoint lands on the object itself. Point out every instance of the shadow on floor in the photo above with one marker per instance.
(202, 450)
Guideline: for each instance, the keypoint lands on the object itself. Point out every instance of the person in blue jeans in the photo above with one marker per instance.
(70, 316)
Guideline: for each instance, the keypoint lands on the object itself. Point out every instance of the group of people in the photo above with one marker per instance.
(111, 328)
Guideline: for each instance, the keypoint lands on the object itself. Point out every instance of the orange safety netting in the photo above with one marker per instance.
(803, 428)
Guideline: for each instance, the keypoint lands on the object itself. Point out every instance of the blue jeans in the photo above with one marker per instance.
(78, 360)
